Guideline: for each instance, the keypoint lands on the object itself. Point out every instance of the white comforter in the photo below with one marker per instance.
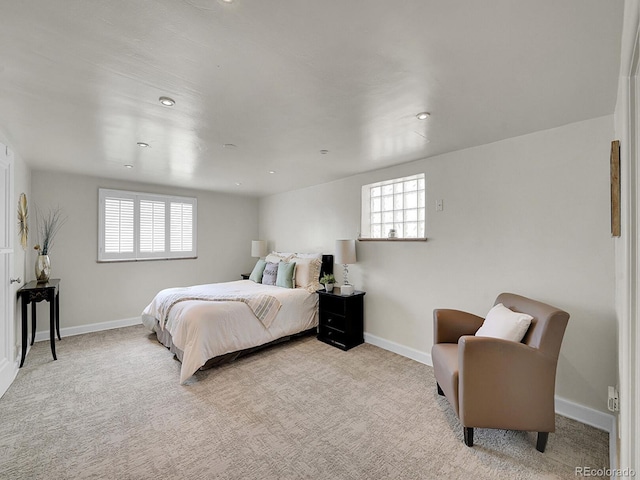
(207, 329)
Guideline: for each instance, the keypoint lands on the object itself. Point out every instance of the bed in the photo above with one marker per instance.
(204, 325)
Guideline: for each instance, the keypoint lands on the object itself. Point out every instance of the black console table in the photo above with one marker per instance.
(32, 293)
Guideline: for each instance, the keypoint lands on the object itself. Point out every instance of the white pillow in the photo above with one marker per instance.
(307, 273)
(275, 257)
(309, 255)
(283, 254)
(504, 323)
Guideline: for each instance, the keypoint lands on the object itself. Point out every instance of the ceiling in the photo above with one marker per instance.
(284, 79)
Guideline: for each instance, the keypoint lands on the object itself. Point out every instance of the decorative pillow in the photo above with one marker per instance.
(256, 273)
(504, 323)
(286, 275)
(270, 274)
(309, 255)
(271, 258)
(286, 255)
(275, 257)
(307, 273)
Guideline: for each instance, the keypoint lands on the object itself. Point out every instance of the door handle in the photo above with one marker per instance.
(15, 280)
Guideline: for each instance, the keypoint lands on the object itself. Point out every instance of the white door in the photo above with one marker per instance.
(8, 365)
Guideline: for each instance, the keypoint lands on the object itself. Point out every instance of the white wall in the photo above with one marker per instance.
(528, 215)
(92, 292)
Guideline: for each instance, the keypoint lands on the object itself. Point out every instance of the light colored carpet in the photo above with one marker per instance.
(111, 407)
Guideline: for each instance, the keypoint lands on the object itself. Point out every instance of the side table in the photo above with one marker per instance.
(341, 321)
(32, 293)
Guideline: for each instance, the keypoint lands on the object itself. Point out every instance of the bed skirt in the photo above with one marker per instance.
(164, 337)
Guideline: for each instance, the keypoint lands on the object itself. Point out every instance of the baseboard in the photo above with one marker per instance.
(412, 353)
(89, 328)
(595, 418)
(575, 411)
(8, 372)
(564, 407)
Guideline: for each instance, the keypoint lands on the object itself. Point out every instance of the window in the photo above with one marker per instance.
(397, 204)
(143, 226)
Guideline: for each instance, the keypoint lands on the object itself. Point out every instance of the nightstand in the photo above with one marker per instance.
(341, 321)
(245, 276)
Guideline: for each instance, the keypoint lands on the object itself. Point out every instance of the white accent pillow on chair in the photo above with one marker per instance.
(504, 323)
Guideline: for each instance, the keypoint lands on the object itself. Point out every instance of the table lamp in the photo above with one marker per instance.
(258, 248)
(346, 255)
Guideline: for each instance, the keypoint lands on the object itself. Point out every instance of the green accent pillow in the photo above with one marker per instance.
(258, 270)
(286, 275)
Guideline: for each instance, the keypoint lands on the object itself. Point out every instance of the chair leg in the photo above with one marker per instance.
(468, 436)
(440, 392)
(542, 441)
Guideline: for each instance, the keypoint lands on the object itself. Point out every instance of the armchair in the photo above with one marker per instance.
(496, 383)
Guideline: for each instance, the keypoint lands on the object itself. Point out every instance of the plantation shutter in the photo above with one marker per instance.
(181, 227)
(141, 226)
(152, 226)
(117, 236)
(118, 225)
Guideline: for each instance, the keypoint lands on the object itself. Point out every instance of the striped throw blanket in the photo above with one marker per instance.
(264, 307)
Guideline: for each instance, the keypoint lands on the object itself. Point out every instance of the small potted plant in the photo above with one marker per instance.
(328, 280)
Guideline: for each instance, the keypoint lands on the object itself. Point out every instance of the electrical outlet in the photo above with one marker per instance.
(612, 402)
(439, 205)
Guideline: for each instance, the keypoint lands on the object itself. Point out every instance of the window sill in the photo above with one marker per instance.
(123, 260)
(392, 239)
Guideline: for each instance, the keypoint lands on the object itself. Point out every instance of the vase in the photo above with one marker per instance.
(43, 268)
(328, 287)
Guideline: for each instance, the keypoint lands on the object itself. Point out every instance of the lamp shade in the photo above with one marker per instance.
(345, 252)
(258, 248)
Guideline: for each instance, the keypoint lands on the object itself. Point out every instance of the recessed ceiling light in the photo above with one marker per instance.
(229, 145)
(324, 152)
(423, 115)
(143, 145)
(167, 102)
(227, 1)
(272, 171)
(128, 166)
(238, 184)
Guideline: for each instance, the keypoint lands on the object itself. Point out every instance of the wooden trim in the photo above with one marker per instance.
(615, 188)
(392, 239)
